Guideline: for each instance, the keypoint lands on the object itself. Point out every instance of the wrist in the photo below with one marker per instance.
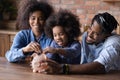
(56, 50)
(61, 68)
(24, 50)
(65, 69)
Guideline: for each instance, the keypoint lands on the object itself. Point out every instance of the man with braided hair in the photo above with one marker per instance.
(100, 49)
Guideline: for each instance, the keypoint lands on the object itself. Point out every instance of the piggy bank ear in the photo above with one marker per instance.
(34, 54)
(43, 57)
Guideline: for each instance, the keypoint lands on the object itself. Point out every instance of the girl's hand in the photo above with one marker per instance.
(50, 50)
(33, 46)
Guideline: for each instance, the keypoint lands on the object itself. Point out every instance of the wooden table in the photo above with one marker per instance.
(23, 71)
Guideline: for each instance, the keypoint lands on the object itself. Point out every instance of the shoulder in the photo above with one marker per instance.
(46, 38)
(75, 44)
(24, 32)
(83, 42)
(112, 40)
(84, 34)
(54, 44)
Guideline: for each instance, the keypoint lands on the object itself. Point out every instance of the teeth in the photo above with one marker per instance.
(36, 26)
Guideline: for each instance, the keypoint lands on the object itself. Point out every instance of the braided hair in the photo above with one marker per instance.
(106, 21)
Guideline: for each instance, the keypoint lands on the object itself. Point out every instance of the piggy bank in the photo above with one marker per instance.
(36, 61)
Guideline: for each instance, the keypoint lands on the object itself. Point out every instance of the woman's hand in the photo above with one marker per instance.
(33, 46)
(49, 50)
(51, 67)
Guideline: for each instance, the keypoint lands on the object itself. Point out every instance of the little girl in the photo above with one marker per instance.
(63, 27)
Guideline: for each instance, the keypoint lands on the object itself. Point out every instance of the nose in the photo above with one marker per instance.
(36, 21)
(90, 33)
(57, 37)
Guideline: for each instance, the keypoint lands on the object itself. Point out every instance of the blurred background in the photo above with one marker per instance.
(84, 9)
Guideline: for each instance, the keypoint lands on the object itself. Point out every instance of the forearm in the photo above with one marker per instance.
(61, 51)
(70, 53)
(14, 55)
(73, 51)
(88, 68)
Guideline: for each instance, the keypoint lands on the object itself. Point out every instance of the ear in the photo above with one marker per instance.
(34, 54)
(44, 56)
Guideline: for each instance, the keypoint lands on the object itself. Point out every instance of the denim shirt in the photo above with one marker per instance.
(22, 39)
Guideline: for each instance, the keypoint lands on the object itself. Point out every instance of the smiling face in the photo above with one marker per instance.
(95, 34)
(60, 36)
(36, 21)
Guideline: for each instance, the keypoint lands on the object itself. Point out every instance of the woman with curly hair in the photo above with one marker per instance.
(32, 15)
(63, 27)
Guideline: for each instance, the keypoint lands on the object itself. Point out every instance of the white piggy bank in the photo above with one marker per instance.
(37, 59)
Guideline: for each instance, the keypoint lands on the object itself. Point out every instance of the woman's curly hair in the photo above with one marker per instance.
(26, 7)
(65, 19)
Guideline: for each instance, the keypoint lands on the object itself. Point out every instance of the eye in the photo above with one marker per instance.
(61, 34)
(97, 34)
(54, 35)
(41, 19)
(32, 18)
